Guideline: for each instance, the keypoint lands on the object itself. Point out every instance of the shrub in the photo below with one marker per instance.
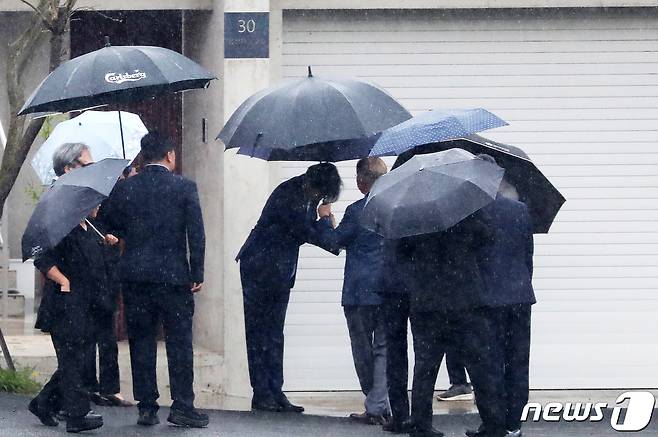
(20, 381)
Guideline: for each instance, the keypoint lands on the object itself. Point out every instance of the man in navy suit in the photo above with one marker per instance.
(361, 300)
(268, 267)
(158, 215)
(506, 267)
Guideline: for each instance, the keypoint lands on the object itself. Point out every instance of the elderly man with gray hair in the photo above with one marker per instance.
(70, 156)
(364, 269)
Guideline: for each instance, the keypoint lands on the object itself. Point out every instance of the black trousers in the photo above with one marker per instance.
(105, 337)
(396, 321)
(471, 334)
(65, 390)
(456, 367)
(512, 327)
(145, 305)
(264, 317)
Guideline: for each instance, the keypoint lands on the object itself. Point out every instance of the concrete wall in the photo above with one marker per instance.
(203, 162)
(19, 204)
(233, 188)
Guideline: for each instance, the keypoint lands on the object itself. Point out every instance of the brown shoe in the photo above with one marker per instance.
(116, 401)
(368, 419)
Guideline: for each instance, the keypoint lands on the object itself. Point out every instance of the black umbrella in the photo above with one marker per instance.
(67, 203)
(114, 75)
(430, 193)
(535, 190)
(316, 112)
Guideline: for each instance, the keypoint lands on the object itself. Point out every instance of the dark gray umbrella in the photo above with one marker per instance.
(430, 193)
(535, 190)
(313, 111)
(115, 75)
(67, 203)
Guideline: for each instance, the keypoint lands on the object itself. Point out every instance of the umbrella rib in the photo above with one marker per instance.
(349, 105)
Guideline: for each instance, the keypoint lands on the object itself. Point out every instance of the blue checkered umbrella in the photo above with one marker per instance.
(434, 126)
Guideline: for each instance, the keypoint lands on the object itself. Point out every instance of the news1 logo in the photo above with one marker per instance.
(638, 411)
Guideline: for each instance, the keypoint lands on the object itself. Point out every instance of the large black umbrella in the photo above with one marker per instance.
(115, 75)
(67, 203)
(310, 118)
(430, 193)
(535, 190)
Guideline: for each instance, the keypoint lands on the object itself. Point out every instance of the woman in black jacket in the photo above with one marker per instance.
(76, 274)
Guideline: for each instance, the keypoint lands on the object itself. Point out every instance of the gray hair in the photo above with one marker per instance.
(67, 154)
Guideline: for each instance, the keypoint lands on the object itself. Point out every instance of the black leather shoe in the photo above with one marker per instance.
(148, 418)
(368, 419)
(396, 427)
(473, 432)
(191, 418)
(46, 417)
(426, 433)
(85, 423)
(97, 399)
(287, 406)
(266, 405)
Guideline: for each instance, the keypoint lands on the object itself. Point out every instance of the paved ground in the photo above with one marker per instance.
(16, 421)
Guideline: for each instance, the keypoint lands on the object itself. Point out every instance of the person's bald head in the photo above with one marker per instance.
(368, 170)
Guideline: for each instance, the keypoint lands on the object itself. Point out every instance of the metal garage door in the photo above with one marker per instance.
(580, 90)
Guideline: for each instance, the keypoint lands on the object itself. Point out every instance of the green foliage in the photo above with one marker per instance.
(49, 124)
(34, 192)
(21, 381)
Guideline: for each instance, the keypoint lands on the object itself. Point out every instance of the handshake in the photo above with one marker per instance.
(324, 210)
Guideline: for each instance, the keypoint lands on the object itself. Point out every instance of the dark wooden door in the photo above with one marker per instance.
(152, 28)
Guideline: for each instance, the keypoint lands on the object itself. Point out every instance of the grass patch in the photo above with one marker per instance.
(20, 381)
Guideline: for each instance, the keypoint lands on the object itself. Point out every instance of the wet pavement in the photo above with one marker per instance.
(16, 421)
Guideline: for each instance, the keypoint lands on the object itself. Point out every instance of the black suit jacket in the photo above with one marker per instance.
(158, 215)
(79, 256)
(441, 268)
(269, 255)
(506, 263)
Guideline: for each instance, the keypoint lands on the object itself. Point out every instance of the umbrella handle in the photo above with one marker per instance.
(94, 228)
(123, 145)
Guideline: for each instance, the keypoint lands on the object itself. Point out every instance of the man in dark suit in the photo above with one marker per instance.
(268, 266)
(506, 266)
(361, 300)
(446, 297)
(396, 311)
(158, 215)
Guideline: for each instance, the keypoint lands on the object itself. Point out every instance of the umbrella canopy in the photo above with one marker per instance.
(114, 75)
(433, 126)
(430, 193)
(100, 131)
(535, 190)
(310, 111)
(67, 203)
(332, 151)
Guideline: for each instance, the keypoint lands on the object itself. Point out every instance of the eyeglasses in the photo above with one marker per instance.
(82, 164)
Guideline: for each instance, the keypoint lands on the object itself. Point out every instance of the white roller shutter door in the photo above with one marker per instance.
(580, 90)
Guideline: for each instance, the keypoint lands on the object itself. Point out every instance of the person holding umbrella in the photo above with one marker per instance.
(268, 266)
(59, 236)
(75, 269)
(506, 266)
(66, 158)
(431, 206)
